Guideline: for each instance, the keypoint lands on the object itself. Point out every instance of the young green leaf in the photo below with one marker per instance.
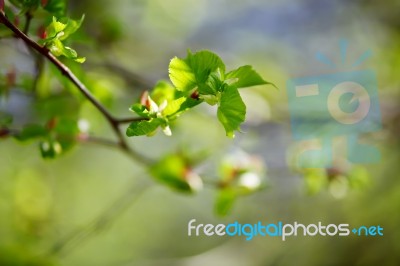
(194, 70)
(140, 110)
(245, 76)
(181, 75)
(60, 30)
(231, 111)
(71, 27)
(140, 128)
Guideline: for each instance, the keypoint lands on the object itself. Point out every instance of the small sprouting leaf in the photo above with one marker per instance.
(140, 110)
(173, 171)
(57, 31)
(245, 76)
(231, 111)
(186, 74)
(71, 27)
(140, 128)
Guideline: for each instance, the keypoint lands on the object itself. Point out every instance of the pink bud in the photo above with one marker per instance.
(2, 5)
(44, 3)
(144, 99)
(41, 33)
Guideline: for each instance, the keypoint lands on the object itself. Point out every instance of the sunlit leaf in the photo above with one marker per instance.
(245, 76)
(140, 128)
(231, 110)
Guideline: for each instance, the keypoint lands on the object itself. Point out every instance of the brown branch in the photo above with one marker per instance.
(114, 122)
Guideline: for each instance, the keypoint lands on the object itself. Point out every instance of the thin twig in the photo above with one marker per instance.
(114, 122)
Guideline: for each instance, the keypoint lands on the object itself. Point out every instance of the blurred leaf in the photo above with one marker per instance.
(315, 180)
(224, 201)
(30, 132)
(231, 110)
(66, 131)
(359, 177)
(56, 7)
(174, 172)
(26, 5)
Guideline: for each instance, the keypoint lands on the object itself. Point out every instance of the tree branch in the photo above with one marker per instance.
(114, 122)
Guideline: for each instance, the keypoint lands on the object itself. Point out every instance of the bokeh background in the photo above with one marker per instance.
(94, 206)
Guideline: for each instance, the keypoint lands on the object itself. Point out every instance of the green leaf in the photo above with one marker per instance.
(141, 128)
(31, 132)
(181, 75)
(71, 27)
(140, 110)
(231, 111)
(245, 76)
(174, 106)
(195, 70)
(224, 202)
(54, 29)
(163, 91)
(60, 30)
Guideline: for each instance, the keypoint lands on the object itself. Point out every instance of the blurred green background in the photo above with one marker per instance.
(94, 206)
